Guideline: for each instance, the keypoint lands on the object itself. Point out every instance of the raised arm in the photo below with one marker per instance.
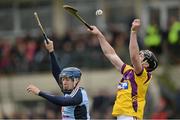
(134, 48)
(54, 64)
(108, 51)
(58, 100)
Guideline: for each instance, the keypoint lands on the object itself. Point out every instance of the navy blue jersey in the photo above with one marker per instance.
(56, 70)
(75, 104)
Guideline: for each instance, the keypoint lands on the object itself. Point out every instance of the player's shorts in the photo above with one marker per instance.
(125, 117)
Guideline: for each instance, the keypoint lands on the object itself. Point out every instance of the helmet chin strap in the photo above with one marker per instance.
(75, 84)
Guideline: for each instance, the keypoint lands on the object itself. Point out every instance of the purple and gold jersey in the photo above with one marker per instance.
(132, 88)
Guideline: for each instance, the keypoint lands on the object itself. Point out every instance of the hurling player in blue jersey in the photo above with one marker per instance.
(74, 103)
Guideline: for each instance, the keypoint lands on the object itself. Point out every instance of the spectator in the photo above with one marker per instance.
(174, 39)
(152, 39)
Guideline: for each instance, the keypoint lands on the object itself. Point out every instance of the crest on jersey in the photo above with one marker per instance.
(123, 85)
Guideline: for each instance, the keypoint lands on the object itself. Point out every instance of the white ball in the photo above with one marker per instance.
(99, 12)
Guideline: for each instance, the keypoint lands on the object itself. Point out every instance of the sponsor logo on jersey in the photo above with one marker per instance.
(123, 85)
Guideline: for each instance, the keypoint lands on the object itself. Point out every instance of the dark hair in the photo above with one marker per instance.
(151, 59)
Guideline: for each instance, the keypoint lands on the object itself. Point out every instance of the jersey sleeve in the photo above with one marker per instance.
(56, 70)
(125, 68)
(63, 100)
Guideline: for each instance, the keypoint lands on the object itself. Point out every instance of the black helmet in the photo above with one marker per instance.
(151, 59)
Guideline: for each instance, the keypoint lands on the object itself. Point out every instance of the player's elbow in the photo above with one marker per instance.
(109, 56)
(109, 53)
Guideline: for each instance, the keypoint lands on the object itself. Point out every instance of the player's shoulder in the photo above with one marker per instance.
(125, 68)
(82, 89)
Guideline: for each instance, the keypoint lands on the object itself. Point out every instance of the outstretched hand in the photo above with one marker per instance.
(136, 25)
(49, 46)
(33, 89)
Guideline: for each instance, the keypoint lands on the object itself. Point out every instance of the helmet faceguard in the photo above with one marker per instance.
(151, 59)
(71, 72)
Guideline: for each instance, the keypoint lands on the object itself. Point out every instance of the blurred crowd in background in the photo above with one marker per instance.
(26, 54)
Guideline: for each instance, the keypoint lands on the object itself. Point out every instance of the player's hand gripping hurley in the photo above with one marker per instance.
(41, 27)
(74, 12)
